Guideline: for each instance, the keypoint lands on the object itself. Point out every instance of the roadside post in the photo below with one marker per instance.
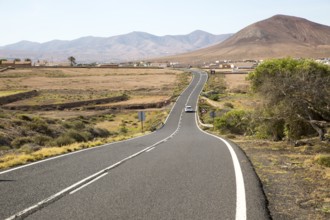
(142, 118)
(212, 115)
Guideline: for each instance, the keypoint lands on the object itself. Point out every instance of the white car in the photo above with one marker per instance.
(188, 108)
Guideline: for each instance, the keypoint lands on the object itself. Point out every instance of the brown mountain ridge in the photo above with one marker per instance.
(127, 47)
(278, 36)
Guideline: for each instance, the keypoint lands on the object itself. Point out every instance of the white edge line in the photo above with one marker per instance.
(97, 178)
(92, 148)
(240, 187)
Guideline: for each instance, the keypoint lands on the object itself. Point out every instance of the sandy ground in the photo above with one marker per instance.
(88, 79)
(296, 187)
(62, 85)
(235, 82)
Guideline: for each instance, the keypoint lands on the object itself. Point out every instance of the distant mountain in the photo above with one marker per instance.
(132, 46)
(278, 36)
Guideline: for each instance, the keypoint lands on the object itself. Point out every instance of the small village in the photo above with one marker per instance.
(228, 65)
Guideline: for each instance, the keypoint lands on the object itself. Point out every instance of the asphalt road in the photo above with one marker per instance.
(177, 172)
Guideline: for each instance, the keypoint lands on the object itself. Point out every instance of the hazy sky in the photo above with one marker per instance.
(45, 20)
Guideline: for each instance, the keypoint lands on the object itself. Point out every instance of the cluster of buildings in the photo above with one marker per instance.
(146, 64)
(234, 65)
(324, 61)
(45, 63)
(245, 64)
(220, 64)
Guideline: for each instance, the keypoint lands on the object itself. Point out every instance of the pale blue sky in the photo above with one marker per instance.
(45, 20)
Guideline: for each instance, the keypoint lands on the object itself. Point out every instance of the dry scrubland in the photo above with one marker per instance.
(76, 84)
(294, 179)
(27, 136)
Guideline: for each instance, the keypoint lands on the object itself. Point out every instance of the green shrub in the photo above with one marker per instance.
(77, 125)
(123, 129)
(39, 125)
(4, 148)
(73, 136)
(64, 140)
(28, 148)
(295, 129)
(41, 140)
(230, 136)
(51, 121)
(24, 117)
(323, 160)
(272, 129)
(214, 97)
(99, 132)
(228, 105)
(20, 141)
(3, 141)
(87, 135)
(77, 136)
(235, 121)
(109, 117)
(17, 122)
(67, 124)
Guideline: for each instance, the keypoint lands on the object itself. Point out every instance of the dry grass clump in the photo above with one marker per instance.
(15, 159)
(7, 93)
(323, 159)
(79, 135)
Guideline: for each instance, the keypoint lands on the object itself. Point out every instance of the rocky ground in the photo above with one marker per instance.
(296, 185)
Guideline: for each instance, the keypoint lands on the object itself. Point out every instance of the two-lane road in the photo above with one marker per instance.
(178, 172)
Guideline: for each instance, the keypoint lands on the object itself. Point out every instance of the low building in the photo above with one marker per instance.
(213, 66)
(7, 63)
(108, 65)
(41, 63)
(23, 64)
(179, 65)
(226, 66)
(160, 65)
(244, 65)
(13, 63)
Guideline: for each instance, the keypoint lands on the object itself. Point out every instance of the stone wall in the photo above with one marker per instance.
(16, 97)
(69, 105)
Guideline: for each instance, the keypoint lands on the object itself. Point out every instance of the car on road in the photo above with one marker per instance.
(188, 108)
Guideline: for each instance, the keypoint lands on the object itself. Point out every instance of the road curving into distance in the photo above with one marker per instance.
(177, 172)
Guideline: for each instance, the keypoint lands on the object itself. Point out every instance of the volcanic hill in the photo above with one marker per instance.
(278, 36)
